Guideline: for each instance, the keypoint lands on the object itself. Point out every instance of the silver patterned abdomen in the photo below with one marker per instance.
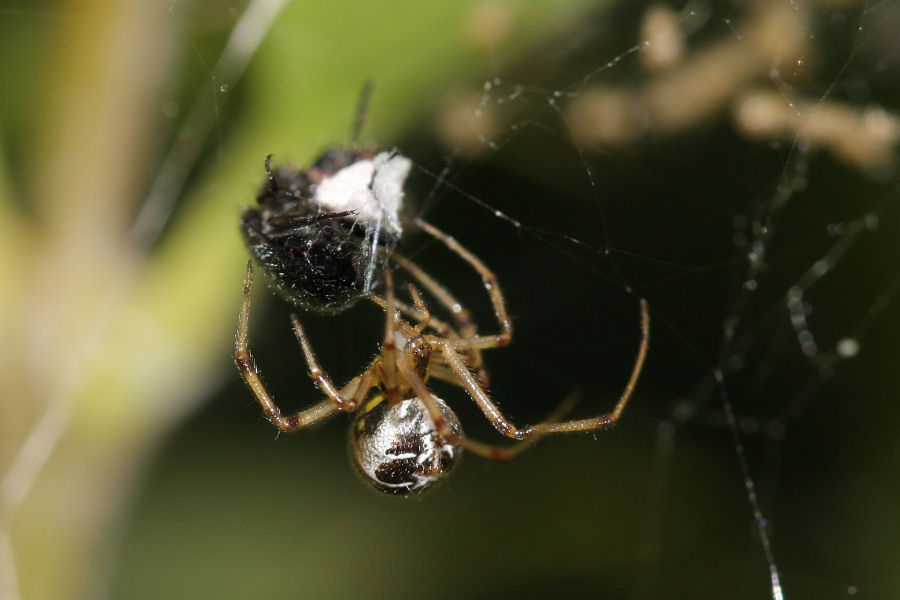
(397, 448)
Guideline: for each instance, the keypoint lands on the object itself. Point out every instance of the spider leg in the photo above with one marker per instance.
(424, 394)
(611, 418)
(348, 397)
(490, 284)
(505, 453)
(443, 329)
(461, 316)
(424, 313)
(469, 381)
(508, 428)
(441, 372)
(490, 451)
(387, 367)
(249, 372)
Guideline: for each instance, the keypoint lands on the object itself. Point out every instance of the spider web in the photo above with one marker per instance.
(799, 291)
(734, 164)
(797, 272)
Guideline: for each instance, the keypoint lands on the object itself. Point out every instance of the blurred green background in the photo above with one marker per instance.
(136, 464)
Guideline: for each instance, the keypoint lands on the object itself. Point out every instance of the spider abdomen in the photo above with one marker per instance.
(397, 448)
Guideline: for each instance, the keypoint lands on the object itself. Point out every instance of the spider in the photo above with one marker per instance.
(403, 438)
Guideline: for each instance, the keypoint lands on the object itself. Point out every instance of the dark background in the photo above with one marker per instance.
(199, 497)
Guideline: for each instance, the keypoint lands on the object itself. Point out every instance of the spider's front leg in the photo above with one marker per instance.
(488, 279)
(349, 396)
(458, 366)
(244, 360)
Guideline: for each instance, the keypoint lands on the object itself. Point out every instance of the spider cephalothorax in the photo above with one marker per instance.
(322, 235)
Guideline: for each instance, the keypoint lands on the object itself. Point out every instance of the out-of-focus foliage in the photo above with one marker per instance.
(111, 337)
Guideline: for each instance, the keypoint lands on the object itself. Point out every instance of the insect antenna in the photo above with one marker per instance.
(362, 110)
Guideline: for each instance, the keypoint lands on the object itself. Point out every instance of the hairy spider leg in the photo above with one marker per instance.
(611, 418)
(459, 368)
(388, 368)
(251, 375)
(422, 310)
(489, 280)
(461, 316)
(345, 399)
(428, 321)
(443, 329)
(439, 370)
(507, 427)
(349, 397)
(485, 450)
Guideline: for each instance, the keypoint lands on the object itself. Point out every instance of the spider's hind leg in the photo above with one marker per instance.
(504, 453)
(251, 375)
